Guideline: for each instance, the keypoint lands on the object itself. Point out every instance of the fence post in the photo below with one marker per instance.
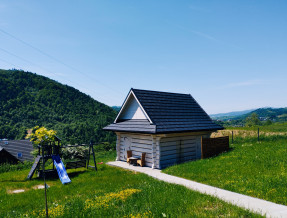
(258, 135)
(232, 136)
(201, 149)
(43, 157)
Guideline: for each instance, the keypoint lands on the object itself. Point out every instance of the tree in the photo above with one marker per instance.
(252, 120)
(268, 122)
(40, 134)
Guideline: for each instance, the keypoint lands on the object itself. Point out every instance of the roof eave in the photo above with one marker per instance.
(161, 132)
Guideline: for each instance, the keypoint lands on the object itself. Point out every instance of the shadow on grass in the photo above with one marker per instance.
(76, 173)
(55, 177)
(229, 150)
(14, 180)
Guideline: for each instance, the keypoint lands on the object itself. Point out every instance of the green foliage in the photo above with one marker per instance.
(74, 153)
(41, 134)
(28, 100)
(268, 122)
(14, 167)
(252, 120)
(106, 146)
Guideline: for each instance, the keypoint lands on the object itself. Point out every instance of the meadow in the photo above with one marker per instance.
(109, 192)
(251, 167)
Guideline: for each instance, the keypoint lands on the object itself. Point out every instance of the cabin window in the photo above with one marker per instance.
(19, 155)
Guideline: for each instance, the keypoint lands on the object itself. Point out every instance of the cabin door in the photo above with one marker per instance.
(187, 149)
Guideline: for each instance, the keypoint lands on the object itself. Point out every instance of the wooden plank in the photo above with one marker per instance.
(34, 166)
(142, 141)
(176, 160)
(140, 136)
(214, 146)
(175, 147)
(172, 139)
(183, 143)
(138, 150)
(142, 150)
(179, 156)
(76, 164)
(168, 148)
(141, 145)
(122, 152)
(168, 152)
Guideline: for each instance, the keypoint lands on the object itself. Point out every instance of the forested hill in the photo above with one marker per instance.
(27, 100)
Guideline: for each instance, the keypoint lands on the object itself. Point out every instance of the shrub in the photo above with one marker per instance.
(74, 153)
(15, 167)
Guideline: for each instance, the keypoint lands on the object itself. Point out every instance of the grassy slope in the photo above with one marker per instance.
(258, 169)
(108, 192)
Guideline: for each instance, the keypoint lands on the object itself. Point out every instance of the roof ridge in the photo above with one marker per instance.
(160, 91)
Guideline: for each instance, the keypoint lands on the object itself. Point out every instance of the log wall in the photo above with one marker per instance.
(138, 143)
(178, 149)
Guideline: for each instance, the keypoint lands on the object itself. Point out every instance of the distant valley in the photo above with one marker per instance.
(275, 114)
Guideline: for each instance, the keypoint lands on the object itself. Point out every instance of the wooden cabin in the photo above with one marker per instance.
(166, 126)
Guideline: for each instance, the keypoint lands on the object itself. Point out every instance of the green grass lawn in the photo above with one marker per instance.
(109, 192)
(257, 169)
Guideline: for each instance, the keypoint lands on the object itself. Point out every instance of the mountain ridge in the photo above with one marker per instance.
(28, 99)
(231, 114)
(266, 113)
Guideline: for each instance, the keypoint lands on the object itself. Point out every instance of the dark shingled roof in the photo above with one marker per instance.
(19, 146)
(6, 157)
(169, 113)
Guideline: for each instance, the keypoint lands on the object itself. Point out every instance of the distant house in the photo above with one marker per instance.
(166, 126)
(6, 157)
(20, 149)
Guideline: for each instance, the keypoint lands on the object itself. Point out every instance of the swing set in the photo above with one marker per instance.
(52, 150)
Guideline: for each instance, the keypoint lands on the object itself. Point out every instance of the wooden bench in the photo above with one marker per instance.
(76, 164)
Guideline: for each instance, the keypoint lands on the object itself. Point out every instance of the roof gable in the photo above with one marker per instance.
(132, 110)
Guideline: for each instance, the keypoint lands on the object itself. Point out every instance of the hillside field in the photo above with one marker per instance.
(253, 168)
(109, 192)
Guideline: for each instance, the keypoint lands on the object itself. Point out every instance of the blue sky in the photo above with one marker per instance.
(229, 55)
